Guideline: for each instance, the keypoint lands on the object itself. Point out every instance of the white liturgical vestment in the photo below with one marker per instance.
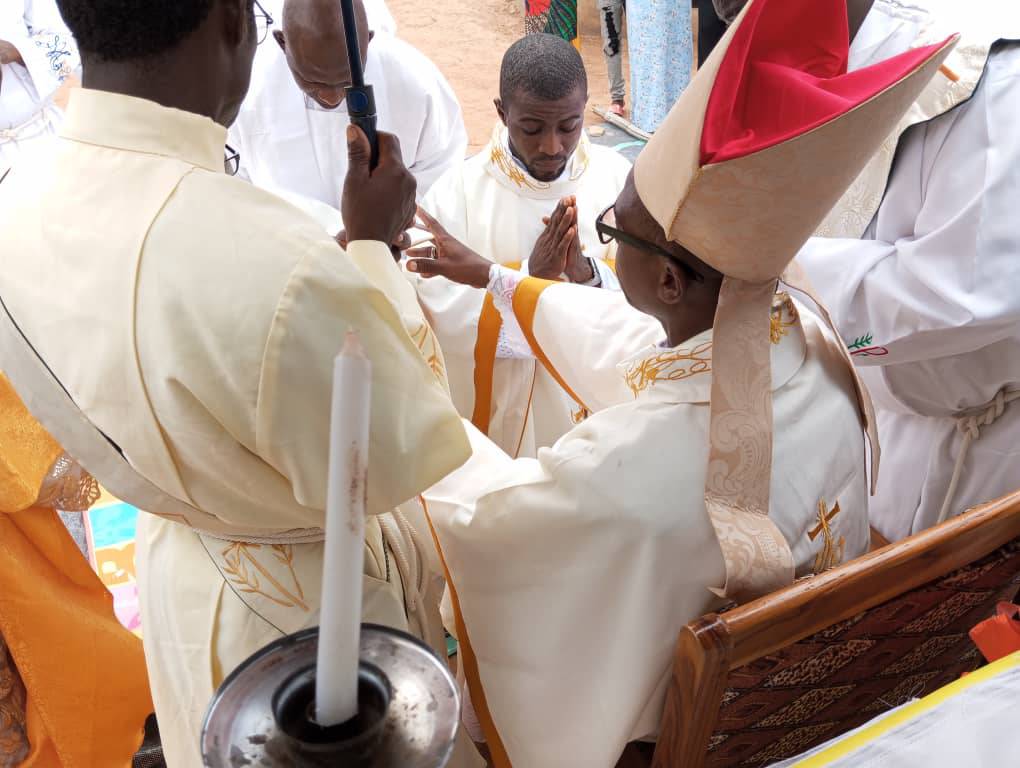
(194, 318)
(573, 573)
(27, 112)
(491, 204)
(287, 147)
(927, 298)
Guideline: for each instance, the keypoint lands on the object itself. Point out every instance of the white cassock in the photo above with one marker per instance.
(286, 147)
(573, 573)
(927, 299)
(492, 205)
(27, 112)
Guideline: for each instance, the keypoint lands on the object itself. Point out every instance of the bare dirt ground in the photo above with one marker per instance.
(466, 39)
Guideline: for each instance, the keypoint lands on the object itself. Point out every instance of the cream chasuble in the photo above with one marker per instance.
(193, 318)
(495, 207)
(573, 573)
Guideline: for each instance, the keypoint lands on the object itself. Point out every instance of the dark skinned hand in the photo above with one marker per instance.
(558, 249)
(376, 204)
(453, 260)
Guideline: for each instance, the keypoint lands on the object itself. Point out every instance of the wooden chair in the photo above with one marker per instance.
(770, 679)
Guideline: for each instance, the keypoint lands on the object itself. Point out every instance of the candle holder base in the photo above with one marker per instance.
(263, 714)
(352, 743)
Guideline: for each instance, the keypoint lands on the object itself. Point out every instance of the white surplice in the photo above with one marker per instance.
(575, 571)
(927, 298)
(194, 318)
(492, 205)
(27, 113)
(285, 146)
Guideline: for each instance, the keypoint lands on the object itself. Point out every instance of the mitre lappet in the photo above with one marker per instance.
(762, 144)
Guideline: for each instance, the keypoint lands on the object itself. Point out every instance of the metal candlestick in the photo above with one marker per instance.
(262, 715)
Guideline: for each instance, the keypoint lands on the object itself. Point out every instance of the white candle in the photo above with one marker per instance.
(336, 687)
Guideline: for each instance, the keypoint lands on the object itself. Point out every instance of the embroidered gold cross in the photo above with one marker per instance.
(832, 551)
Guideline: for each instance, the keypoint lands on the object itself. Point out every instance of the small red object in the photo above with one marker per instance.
(998, 636)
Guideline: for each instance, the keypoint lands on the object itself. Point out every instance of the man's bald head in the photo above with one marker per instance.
(313, 40)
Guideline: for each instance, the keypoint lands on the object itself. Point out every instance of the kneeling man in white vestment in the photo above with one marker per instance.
(726, 451)
(529, 199)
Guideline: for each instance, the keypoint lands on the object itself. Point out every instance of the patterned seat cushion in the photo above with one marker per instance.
(785, 703)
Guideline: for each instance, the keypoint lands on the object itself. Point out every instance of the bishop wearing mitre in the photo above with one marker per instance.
(726, 453)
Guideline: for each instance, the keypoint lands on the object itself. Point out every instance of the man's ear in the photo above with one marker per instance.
(498, 102)
(672, 283)
(278, 37)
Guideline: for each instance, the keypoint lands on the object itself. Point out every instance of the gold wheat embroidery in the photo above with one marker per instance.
(511, 170)
(784, 316)
(244, 570)
(832, 550)
(426, 342)
(673, 365)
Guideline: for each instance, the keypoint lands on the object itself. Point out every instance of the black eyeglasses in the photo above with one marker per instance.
(608, 233)
(263, 21)
(231, 161)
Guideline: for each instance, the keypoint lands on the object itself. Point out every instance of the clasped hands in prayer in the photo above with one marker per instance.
(370, 213)
(557, 252)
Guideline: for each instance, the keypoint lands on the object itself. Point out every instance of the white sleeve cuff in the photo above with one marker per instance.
(503, 283)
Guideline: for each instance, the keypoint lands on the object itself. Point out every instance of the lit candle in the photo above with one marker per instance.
(336, 686)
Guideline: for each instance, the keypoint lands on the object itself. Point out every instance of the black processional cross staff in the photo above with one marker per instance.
(360, 97)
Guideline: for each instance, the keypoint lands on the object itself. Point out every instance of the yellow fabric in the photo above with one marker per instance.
(87, 692)
(26, 452)
(907, 713)
(489, 324)
(525, 305)
(469, 663)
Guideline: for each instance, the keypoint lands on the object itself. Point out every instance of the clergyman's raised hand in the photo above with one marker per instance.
(448, 257)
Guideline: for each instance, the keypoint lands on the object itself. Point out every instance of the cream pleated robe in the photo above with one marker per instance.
(193, 318)
(495, 207)
(573, 573)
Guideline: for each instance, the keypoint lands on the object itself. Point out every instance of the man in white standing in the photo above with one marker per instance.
(290, 130)
(920, 266)
(38, 60)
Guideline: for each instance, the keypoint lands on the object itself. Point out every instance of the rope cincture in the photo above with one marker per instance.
(969, 426)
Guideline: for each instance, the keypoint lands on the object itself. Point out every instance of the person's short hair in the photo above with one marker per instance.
(543, 65)
(124, 30)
